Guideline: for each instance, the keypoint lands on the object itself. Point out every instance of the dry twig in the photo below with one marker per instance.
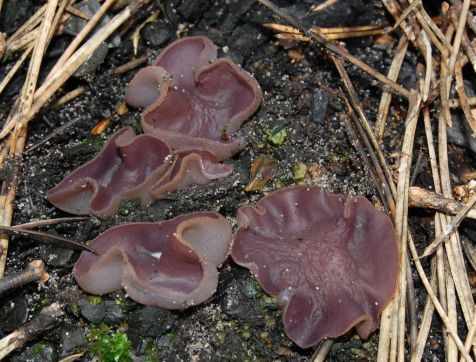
(48, 318)
(35, 272)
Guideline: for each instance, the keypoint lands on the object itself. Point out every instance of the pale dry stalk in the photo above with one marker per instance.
(81, 36)
(470, 336)
(15, 68)
(401, 222)
(52, 84)
(30, 24)
(453, 246)
(18, 137)
(440, 257)
(427, 316)
(323, 350)
(47, 319)
(452, 332)
(386, 98)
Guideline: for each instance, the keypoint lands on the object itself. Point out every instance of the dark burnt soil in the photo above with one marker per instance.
(240, 322)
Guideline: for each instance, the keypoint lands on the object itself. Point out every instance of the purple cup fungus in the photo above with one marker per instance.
(121, 171)
(170, 264)
(132, 167)
(193, 99)
(190, 168)
(332, 260)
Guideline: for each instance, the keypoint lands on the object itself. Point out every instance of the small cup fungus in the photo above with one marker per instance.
(170, 264)
(332, 260)
(193, 98)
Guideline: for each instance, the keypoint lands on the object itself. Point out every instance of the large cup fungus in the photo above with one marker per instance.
(332, 260)
(132, 167)
(193, 99)
(170, 264)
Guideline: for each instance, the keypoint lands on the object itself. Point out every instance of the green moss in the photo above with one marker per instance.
(74, 308)
(46, 301)
(299, 171)
(126, 207)
(37, 349)
(110, 346)
(92, 144)
(151, 351)
(276, 136)
(95, 299)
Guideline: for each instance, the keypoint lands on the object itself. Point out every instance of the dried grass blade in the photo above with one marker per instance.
(386, 98)
(427, 316)
(450, 227)
(453, 333)
(15, 68)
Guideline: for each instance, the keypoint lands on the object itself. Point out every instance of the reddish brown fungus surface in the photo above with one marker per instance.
(170, 264)
(190, 168)
(192, 97)
(332, 260)
(121, 171)
(132, 167)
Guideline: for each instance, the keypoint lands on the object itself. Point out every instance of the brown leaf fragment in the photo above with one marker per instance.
(101, 126)
(262, 171)
(296, 55)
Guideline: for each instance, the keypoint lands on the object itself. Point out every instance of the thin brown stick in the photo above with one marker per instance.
(452, 247)
(380, 164)
(30, 24)
(80, 37)
(319, 7)
(355, 134)
(463, 99)
(458, 37)
(319, 39)
(49, 222)
(452, 350)
(470, 336)
(411, 7)
(134, 63)
(73, 11)
(52, 83)
(434, 29)
(11, 73)
(68, 97)
(401, 224)
(55, 132)
(48, 318)
(323, 350)
(17, 144)
(450, 227)
(395, 10)
(453, 333)
(428, 66)
(34, 272)
(426, 199)
(47, 238)
(427, 316)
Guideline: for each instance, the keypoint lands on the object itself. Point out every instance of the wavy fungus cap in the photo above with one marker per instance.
(170, 264)
(121, 171)
(193, 99)
(132, 167)
(332, 260)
